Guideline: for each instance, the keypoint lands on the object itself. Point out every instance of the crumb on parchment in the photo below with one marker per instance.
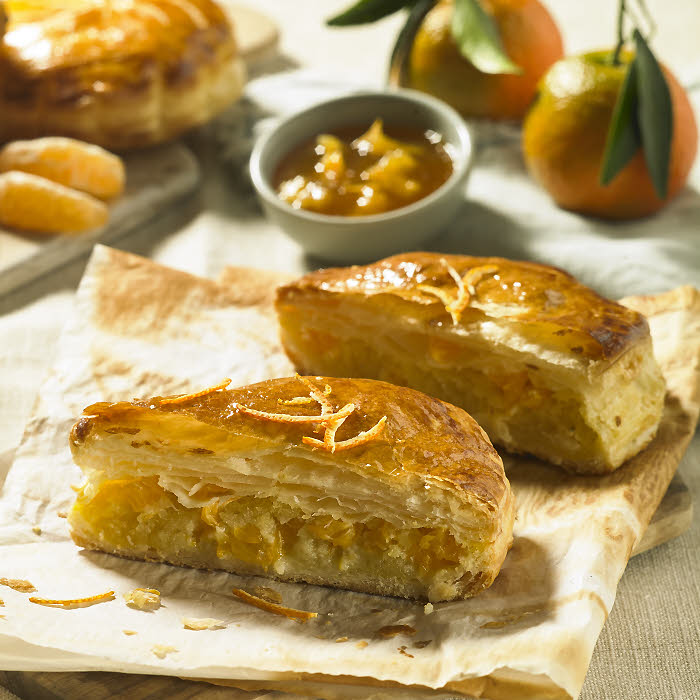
(128, 633)
(62, 514)
(162, 650)
(362, 644)
(202, 623)
(18, 584)
(36, 530)
(428, 608)
(143, 599)
(390, 631)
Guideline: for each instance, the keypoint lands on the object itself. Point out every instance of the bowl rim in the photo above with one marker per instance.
(462, 161)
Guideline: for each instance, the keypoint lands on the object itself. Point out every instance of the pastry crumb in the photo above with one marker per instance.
(402, 650)
(128, 633)
(143, 599)
(268, 594)
(36, 530)
(18, 584)
(392, 630)
(162, 650)
(422, 643)
(62, 514)
(2, 603)
(202, 623)
(340, 640)
(362, 644)
(375, 611)
(428, 608)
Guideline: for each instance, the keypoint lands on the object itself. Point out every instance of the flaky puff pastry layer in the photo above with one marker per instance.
(543, 363)
(350, 483)
(122, 74)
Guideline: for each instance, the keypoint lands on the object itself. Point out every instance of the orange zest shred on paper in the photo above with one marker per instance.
(195, 395)
(90, 600)
(329, 419)
(18, 584)
(291, 613)
(466, 288)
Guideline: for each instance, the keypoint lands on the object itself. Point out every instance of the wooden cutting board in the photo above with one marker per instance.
(156, 178)
(672, 518)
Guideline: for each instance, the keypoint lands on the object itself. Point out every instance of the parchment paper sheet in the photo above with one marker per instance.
(140, 329)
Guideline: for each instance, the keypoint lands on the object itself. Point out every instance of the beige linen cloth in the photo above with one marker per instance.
(140, 329)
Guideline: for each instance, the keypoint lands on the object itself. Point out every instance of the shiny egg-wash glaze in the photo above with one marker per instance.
(423, 509)
(524, 332)
(122, 75)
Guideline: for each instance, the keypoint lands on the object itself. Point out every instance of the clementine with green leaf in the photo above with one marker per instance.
(566, 131)
(496, 90)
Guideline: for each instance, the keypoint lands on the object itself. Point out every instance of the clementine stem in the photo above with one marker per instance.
(620, 33)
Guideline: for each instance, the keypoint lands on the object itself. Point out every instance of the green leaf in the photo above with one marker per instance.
(655, 115)
(366, 11)
(623, 139)
(477, 37)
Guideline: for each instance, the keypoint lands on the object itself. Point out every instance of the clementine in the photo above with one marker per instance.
(564, 136)
(530, 38)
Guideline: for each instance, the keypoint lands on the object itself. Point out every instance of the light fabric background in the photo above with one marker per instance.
(650, 646)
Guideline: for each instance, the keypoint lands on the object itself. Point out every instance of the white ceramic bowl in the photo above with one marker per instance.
(347, 239)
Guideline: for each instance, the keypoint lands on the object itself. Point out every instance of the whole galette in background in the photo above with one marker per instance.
(119, 74)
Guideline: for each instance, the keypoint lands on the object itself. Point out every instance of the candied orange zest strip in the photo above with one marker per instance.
(329, 420)
(90, 600)
(296, 401)
(466, 288)
(288, 418)
(291, 613)
(181, 398)
(316, 395)
(18, 584)
(444, 296)
(360, 439)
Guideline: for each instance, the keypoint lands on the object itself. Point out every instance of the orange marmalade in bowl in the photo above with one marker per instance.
(347, 175)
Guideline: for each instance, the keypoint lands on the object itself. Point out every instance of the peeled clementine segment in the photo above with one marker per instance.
(68, 162)
(32, 203)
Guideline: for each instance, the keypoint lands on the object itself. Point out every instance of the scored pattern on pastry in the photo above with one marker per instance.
(466, 288)
(544, 364)
(329, 419)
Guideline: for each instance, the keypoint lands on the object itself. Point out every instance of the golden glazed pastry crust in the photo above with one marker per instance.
(543, 363)
(420, 507)
(121, 74)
